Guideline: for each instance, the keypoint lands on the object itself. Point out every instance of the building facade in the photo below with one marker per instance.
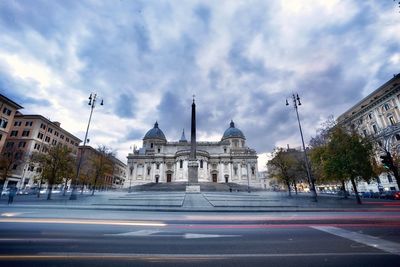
(119, 173)
(112, 170)
(34, 133)
(160, 161)
(378, 115)
(8, 109)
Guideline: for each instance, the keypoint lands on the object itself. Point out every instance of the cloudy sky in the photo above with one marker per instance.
(241, 59)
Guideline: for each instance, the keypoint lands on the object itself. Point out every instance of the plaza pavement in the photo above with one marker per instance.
(261, 201)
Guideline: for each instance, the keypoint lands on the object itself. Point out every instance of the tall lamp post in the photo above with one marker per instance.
(92, 104)
(296, 103)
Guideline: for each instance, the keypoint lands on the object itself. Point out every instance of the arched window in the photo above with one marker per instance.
(181, 164)
(201, 164)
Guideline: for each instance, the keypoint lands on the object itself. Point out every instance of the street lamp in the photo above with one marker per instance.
(296, 102)
(130, 180)
(92, 104)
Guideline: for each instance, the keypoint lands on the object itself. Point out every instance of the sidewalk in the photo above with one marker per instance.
(202, 202)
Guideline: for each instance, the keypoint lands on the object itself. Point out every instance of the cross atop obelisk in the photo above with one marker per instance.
(192, 164)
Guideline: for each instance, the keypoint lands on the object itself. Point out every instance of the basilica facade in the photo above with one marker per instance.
(161, 161)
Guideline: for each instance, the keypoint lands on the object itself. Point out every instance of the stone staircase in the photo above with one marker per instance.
(204, 187)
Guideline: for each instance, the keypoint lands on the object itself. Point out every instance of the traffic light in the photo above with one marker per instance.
(387, 160)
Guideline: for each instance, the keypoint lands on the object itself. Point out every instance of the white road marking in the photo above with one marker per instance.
(137, 233)
(372, 241)
(192, 236)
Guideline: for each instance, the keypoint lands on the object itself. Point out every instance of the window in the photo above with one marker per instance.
(14, 166)
(365, 133)
(151, 145)
(1, 136)
(50, 130)
(47, 139)
(235, 170)
(38, 169)
(224, 149)
(201, 164)
(28, 123)
(7, 111)
(391, 119)
(378, 180)
(14, 133)
(181, 164)
(37, 147)
(17, 123)
(158, 166)
(22, 144)
(56, 133)
(62, 136)
(370, 116)
(375, 128)
(390, 179)
(397, 137)
(67, 139)
(25, 133)
(158, 150)
(31, 168)
(9, 144)
(253, 170)
(148, 171)
(40, 135)
(3, 123)
(42, 126)
(54, 142)
(386, 106)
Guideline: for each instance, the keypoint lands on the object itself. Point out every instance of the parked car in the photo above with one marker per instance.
(367, 194)
(392, 194)
(5, 192)
(340, 193)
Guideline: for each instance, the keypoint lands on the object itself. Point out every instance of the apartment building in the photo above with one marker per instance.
(8, 108)
(92, 161)
(378, 115)
(34, 133)
(119, 173)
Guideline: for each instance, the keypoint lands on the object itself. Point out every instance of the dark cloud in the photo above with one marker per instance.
(203, 13)
(14, 88)
(134, 134)
(125, 106)
(241, 61)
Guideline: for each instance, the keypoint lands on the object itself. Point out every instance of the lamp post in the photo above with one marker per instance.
(296, 103)
(130, 180)
(92, 104)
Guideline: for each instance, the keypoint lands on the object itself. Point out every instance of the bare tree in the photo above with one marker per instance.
(56, 164)
(10, 158)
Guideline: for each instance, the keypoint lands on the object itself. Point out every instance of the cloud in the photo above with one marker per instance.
(241, 59)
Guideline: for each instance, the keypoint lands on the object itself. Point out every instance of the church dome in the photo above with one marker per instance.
(155, 133)
(233, 132)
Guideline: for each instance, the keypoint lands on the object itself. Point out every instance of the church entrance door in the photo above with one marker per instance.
(169, 177)
(214, 177)
(226, 178)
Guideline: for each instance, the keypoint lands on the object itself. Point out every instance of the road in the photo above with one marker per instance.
(42, 237)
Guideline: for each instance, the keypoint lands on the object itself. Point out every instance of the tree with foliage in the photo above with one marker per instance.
(56, 164)
(10, 157)
(284, 167)
(101, 164)
(345, 157)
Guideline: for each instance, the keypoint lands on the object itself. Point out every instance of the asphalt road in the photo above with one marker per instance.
(41, 237)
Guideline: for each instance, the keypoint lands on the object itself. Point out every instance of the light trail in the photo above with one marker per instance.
(82, 221)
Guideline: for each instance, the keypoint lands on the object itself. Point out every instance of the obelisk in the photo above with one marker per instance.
(192, 164)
